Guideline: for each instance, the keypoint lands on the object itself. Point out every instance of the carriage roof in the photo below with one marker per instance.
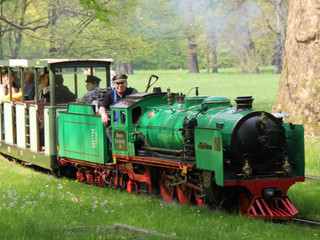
(85, 62)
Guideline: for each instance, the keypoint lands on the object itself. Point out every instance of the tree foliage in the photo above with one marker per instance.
(147, 33)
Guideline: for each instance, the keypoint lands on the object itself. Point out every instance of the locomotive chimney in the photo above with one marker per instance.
(244, 103)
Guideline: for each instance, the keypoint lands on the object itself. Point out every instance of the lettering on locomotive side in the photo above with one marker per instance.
(206, 146)
(94, 138)
(217, 144)
(120, 140)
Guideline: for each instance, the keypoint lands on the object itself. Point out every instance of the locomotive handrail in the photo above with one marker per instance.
(151, 83)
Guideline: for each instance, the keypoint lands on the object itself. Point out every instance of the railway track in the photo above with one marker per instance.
(312, 177)
(307, 222)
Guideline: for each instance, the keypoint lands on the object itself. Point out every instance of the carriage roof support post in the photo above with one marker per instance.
(75, 82)
(52, 119)
(21, 72)
(36, 84)
(10, 83)
(108, 75)
(52, 86)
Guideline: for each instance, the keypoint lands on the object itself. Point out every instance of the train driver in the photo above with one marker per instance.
(121, 90)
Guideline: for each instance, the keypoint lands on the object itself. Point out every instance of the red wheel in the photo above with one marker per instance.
(80, 176)
(244, 203)
(184, 194)
(100, 181)
(199, 200)
(166, 190)
(89, 178)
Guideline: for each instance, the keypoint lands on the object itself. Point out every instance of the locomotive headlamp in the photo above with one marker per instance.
(246, 169)
(263, 119)
(287, 168)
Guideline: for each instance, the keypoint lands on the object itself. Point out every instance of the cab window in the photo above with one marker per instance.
(136, 113)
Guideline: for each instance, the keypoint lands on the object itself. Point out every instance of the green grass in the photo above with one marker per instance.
(34, 205)
(312, 149)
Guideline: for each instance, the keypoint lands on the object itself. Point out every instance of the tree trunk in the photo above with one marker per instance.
(214, 53)
(299, 91)
(245, 35)
(52, 13)
(277, 60)
(281, 16)
(208, 58)
(130, 68)
(18, 34)
(122, 68)
(193, 56)
(1, 33)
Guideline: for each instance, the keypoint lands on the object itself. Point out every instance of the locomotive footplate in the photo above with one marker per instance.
(156, 162)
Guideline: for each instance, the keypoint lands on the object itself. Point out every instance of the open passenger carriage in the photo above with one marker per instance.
(29, 129)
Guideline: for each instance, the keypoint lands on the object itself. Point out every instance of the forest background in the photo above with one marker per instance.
(148, 34)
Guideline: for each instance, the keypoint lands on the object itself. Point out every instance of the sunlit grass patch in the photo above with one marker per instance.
(34, 205)
(312, 148)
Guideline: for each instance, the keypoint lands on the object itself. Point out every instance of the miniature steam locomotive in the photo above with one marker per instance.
(197, 147)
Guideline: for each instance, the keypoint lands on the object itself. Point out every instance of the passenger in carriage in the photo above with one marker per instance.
(62, 93)
(42, 82)
(92, 85)
(44, 95)
(29, 88)
(16, 91)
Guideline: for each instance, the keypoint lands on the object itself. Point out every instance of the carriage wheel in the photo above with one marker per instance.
(184, 194)
(199, 200)
(166, 190)
(244, 201)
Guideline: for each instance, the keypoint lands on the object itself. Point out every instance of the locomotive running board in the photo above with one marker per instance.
(281, 209)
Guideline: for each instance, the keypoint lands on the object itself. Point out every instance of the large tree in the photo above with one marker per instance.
(277, 24)
(299, 89)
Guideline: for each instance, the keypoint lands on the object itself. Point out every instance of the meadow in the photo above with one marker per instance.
(36, 205)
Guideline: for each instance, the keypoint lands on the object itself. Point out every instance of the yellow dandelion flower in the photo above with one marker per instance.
(316, 234)
(198, 211)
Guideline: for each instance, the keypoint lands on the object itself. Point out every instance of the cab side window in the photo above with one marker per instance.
(123, 117)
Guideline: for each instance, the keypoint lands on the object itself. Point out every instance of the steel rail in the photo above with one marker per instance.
(308, 222)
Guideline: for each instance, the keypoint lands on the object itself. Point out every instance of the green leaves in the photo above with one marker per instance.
(99, 7)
